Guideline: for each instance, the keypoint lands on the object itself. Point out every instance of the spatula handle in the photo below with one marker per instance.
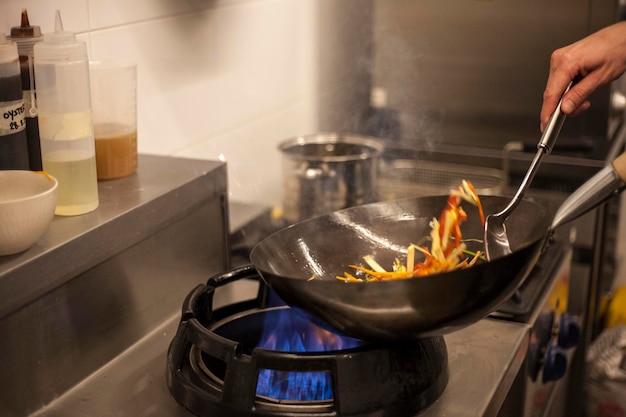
(553, 128)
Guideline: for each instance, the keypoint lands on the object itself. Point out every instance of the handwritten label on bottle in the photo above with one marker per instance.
(12, 120)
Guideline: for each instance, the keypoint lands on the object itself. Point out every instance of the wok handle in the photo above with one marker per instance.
(619, 165)
(607, 183)
(246, 271)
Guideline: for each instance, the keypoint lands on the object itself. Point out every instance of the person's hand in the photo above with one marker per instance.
(595, 60)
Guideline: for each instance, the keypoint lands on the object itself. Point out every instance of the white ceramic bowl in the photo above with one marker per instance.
(27, 203)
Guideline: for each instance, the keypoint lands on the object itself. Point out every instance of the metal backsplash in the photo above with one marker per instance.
(473, 72)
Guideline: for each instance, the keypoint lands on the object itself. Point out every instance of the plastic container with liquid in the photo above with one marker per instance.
(114, 104)
(65, 121)
(13, 143)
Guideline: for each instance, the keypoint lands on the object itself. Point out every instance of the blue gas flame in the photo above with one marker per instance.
(292, 333)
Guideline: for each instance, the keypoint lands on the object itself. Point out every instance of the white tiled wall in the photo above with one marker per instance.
(224, 79)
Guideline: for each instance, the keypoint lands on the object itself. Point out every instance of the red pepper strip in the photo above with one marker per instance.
(458, 236)
(453, 202)
(480, 206)
(428, 258)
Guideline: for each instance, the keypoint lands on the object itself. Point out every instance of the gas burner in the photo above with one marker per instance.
(262, 358)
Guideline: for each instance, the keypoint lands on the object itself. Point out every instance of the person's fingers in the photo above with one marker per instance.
(561, 73)
(584, 106)
(574, 101)
(551, 96)
(575, 98)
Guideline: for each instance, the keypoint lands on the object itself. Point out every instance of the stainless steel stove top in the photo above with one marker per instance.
(484, 358)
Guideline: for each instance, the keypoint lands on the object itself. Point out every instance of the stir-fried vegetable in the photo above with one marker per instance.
(447, 250)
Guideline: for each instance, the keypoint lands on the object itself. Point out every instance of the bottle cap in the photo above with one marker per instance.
(60, 44)
(8, 50)
(25, 35)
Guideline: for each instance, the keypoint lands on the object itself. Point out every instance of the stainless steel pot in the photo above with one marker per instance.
(326, 172)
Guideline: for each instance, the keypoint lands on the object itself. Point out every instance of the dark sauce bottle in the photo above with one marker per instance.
(379, 120)
(26, 36)
(13, 142)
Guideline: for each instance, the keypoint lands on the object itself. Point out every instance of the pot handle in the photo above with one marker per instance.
(607, 183)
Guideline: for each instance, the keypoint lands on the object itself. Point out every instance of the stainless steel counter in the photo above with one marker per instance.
(95, 284)
(484, 359)
(160, 192)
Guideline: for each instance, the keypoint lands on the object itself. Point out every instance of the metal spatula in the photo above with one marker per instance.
(495, 237)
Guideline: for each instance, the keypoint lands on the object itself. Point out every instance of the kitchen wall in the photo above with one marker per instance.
(225, 79)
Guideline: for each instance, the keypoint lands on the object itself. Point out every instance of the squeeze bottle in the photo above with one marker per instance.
(26, 36)
(65, 121)
(13, 145)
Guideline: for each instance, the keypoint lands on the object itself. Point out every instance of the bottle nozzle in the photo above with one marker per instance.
(59, 36)
(25, 30)
(24, 23)
(58, 23)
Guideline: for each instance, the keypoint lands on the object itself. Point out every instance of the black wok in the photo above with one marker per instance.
(404, 309)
